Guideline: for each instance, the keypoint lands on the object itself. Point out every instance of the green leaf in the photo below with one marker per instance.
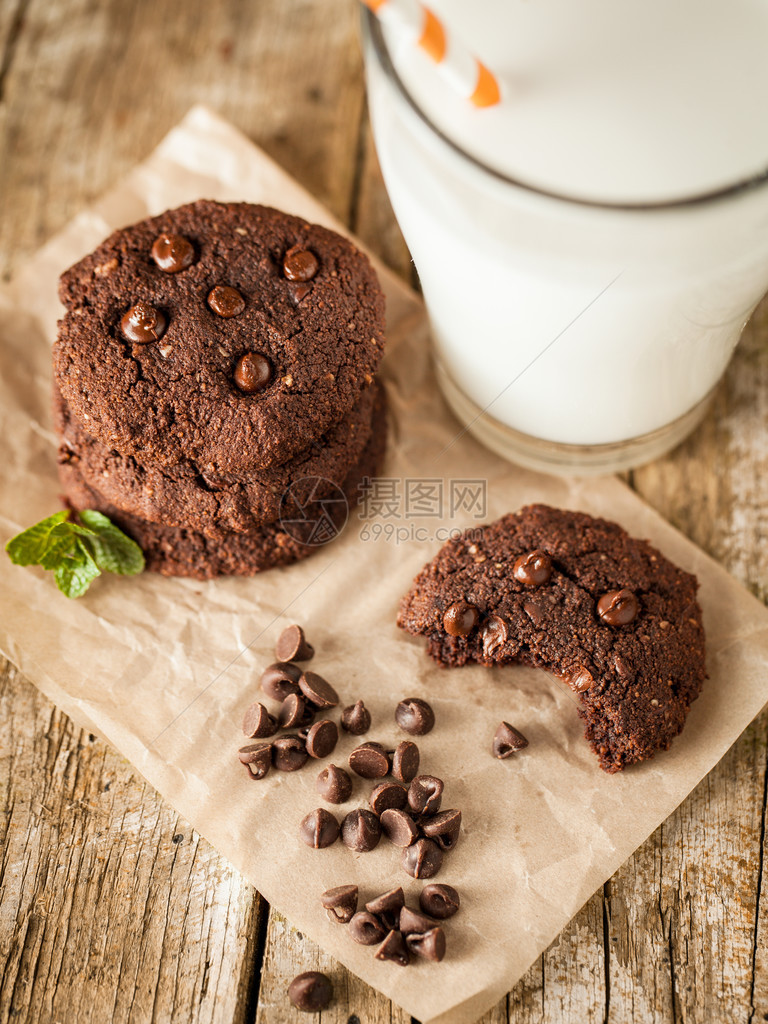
(112, 550)
(76, 572)
(30, 546)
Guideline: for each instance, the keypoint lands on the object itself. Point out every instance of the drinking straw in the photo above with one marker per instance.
(461, 69)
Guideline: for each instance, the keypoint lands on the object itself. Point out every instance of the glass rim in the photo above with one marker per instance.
(372, 31)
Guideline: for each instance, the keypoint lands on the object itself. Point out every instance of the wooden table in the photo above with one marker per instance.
(111, 907)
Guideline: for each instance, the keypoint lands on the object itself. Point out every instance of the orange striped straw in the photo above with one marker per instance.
(465, 73)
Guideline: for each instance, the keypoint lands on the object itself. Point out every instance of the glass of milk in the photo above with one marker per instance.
(591, 248)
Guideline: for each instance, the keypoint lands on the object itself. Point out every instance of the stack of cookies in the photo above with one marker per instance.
(214, 386)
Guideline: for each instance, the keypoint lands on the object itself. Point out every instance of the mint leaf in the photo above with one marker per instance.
(30, 546)
(112, 550)
(76, 571)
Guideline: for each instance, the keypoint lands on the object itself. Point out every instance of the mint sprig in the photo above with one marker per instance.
(76, 553)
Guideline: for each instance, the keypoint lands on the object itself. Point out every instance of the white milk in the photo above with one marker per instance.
(563, 320)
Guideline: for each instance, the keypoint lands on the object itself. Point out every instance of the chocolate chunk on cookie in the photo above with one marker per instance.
(150, 353)
(608, 614)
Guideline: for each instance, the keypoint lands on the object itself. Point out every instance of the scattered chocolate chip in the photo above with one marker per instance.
(495, 635)
(257, 758)
(618, 607)
(322, 738)
(393, 948)
(413, 921)
(534, 612)
(300, 264)
(533, 569)
(280, 679)
(460, 618)
(369, 762)
(507, 741)
(415, 716)
(298, 291)
(387, 796)
(143, 323)
(399, 827)
(356, 719)
(294, 712)
(319, 829)
(388, 905)
(317, 690)
(405, 761)
(311, 991)
(366, 929)
(289, 753)
(334, 785)
(173, 253)
(360, 830)
(423, 859)
(444, 828)
(225, 301)
(425, 794)
(438, 900)
(292, 645)
(341, 903)
(429, 944)
(257, 722)
(579, 679)
(253, 372)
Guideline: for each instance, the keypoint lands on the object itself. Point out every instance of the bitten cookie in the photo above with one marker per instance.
(227, 335)
(607, 613)
(182, 552)
(215, 504)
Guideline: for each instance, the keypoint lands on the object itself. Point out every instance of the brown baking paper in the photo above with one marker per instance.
(163, 668)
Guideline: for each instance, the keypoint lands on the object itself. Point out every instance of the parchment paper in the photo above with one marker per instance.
(164, 668)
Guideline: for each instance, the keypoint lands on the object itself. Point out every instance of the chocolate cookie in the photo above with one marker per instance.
(181, 552)
(216, 504)
(608, 614)
(227, 335)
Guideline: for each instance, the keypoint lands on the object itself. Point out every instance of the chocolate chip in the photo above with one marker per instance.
(415, 716)
(318, 691)
(322, 738)
(311, 991)
(399, 827)
(405, 761)
(533, 569)
(257, 721)
(369, 762)
(360, 830)
(295, 712)
(425, 794)
(579, 679)
(341, 903)
(534, 612)
(389, 903)
(173, 253)
(319, 829)
(298, 291)
(225, 301)
(438, 900)
(429, 944)
(257, 758)
(289, 753)
(444, 828)
(618, 607)
(412, 921)
(143, 323)
(292, 645)
(507, 741)
(387, 796)
(356, 719)
(423, 859)
(300, 264)
(393, 948)
(334, 785)
(460, 618)
(366, 929)
(495, 635)
(280, 679)
(253, 372)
